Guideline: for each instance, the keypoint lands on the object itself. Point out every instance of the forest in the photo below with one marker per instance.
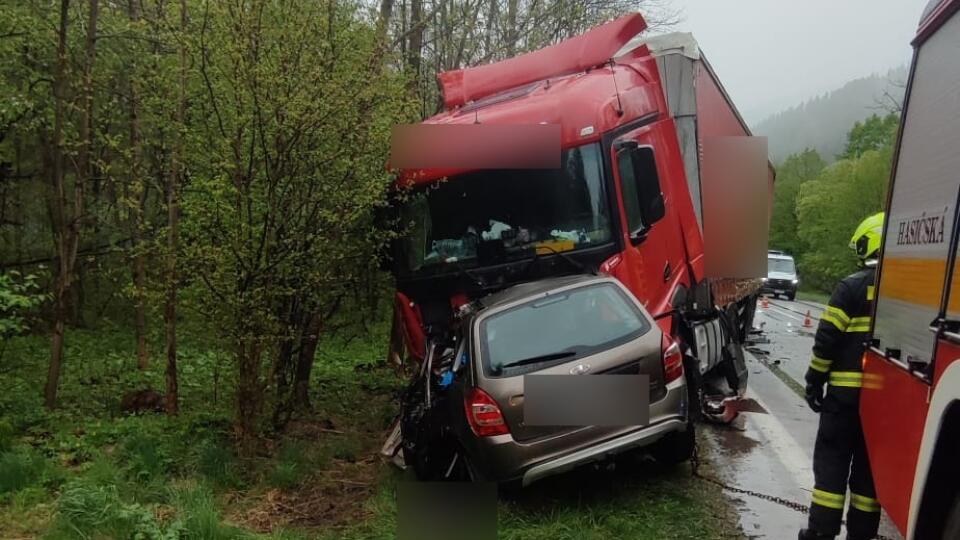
(817, 205)
(193, 315)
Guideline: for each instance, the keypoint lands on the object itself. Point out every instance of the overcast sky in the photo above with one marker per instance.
(772, 54)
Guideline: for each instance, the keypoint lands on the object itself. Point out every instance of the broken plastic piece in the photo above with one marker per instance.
(495, 231)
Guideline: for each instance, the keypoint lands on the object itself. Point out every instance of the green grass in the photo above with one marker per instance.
(87, 471)
(813, 295)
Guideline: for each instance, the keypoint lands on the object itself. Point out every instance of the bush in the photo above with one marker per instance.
(87, 509)
(198, 517)
(217, 462)
(20, 469)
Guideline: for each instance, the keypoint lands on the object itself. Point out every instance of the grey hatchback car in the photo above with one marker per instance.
(573, 326)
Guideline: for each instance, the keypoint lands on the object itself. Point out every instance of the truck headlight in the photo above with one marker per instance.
(796, 281)
(764, 279)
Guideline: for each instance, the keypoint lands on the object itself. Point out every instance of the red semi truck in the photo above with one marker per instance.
(633, 114)
(910, 402)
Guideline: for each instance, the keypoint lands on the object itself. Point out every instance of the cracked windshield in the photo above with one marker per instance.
(551, 211)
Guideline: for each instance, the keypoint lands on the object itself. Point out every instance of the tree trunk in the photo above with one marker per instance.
(491, 27)
(137, 208)
(284, 365)
(68, 234)
(386, 14)
(308, 350)
(249, 389)
(415, 42)
(173, 218)
(511, 28)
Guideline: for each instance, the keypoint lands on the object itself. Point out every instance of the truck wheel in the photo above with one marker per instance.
(791, 296)
(951, 530)
(675, 447)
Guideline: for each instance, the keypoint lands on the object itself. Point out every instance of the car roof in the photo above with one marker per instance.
(532, 289)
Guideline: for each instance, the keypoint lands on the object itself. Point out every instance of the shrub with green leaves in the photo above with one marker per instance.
(18, 295)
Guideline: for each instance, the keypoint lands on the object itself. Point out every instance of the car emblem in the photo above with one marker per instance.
(580, 369)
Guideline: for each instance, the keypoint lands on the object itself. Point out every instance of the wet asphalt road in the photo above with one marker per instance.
(769, 447)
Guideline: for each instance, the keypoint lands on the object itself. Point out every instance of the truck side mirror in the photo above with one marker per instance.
(640, 183)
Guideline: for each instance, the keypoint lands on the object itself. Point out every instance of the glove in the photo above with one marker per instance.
(814, 396)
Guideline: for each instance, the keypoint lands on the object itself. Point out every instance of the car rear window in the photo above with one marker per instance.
(576, 322)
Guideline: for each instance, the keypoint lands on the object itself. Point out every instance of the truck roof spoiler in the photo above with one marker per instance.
(574, 55)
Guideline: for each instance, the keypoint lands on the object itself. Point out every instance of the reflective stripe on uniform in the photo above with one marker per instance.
(850, 379)
(820, 364)
(836, 316)
(829, 500)
(858, 324)
(864, 504)
(871, 292)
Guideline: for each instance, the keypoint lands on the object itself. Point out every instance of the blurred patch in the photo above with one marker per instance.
(736, 206)
(475, 146)
(590, 400)
(446, 511)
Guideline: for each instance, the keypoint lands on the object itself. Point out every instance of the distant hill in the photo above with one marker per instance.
(822, 123)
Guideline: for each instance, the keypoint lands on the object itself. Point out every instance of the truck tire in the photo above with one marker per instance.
(675, 447)
(951, 531)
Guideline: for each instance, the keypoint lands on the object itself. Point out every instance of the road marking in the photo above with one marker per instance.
(783, 444)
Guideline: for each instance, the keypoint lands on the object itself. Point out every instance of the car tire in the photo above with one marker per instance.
(462, 468)
(791, 296)
(951, 530)
(675, 447)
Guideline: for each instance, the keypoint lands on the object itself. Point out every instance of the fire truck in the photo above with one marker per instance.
(633, 113)
(910, 402)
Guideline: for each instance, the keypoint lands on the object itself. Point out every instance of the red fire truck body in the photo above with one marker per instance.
(910, 402)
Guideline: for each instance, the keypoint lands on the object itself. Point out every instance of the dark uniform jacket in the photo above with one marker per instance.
(839, 343)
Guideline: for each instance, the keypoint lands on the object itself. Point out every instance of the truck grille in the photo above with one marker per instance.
(779, 284)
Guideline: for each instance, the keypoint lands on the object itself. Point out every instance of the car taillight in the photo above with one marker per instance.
(483, 414)
(672, 360)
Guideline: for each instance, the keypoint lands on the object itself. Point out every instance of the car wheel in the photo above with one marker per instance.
(791, 296)
(951, 530)
(460, 468)
(675, 447)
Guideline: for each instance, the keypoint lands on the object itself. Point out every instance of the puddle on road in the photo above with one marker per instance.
(741, 461)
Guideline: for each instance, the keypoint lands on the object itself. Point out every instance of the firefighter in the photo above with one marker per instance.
(840, 455)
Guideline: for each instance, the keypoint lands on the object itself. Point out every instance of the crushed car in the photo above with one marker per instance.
(463, 415)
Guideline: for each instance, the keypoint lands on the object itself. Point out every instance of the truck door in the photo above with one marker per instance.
(652, 257)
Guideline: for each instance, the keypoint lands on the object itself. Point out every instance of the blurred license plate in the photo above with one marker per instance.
(779, 291)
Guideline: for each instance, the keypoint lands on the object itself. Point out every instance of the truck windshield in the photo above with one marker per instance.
(783, 266)
(548, 210)
(560, 327)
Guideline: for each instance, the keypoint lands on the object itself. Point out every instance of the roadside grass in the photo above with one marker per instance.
(813, 295)
(87, 471)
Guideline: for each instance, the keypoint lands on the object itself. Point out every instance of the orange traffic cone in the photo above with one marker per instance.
(807, 322)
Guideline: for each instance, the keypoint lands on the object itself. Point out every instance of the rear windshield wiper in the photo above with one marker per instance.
(536, 360)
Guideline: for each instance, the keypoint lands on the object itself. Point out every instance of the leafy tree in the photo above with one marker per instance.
(830, 207)
(797, 169)
(286, 168)
(874, 133)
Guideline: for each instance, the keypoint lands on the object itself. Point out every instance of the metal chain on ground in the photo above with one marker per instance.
(793, 505)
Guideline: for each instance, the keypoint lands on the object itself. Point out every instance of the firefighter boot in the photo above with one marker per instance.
(810, 534)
